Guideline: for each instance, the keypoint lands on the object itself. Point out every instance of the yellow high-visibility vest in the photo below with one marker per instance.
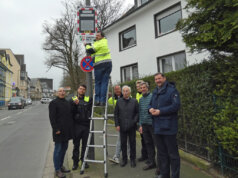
(101, 49)
(138, 96)
(86, 98)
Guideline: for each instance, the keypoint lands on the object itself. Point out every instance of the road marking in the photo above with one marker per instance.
(11, 122)
(5, 118)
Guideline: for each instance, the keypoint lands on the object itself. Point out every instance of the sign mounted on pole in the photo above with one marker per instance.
(87, 64)
(87, 24)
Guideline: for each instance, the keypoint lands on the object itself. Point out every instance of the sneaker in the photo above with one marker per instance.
(59, 174)
(114, 160)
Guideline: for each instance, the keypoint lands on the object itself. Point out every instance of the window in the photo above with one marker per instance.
(129, 72)
(172, 62)
(128, 38)
(166, 21)
(143, 1)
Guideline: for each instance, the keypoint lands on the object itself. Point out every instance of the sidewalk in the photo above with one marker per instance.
(114, 170)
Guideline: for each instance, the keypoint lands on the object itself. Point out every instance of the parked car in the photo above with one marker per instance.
(28, 101)
(16, 103)
(45, 100)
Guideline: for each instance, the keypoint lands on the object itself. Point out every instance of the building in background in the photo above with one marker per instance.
(15, 68)
(3, 70)
(145, 41)
(24, 82)
(35, 89)
(6, 78)
(47, 87)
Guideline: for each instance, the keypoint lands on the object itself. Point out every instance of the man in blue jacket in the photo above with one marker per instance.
(164, 106)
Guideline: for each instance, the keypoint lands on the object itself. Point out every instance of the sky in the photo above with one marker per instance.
(21, 30)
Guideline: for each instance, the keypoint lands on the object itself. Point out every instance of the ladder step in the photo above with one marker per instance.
(112, 135)
(98, 118)
(112, 125)
(96, 146)
(98, 106)
(110, 115)
(111, 145)
(94, 161)
(97, 131)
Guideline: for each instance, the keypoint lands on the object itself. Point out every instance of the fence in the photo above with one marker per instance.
(194, 144)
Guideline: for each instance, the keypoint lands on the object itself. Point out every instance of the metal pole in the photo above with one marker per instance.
(89, 80)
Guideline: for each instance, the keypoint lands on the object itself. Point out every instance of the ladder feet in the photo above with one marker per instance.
(81, 172)
(106, 175)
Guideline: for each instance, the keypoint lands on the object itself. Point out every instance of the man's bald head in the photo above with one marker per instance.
(61, 92)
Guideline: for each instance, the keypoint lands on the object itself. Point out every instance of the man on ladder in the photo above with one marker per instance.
(102, 67)
(81, 110)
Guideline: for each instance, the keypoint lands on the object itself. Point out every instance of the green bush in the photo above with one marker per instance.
(200, 122)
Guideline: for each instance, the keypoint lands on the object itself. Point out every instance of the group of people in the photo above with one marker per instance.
(70, 120)
(155, 116)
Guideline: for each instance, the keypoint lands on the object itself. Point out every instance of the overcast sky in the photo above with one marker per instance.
(21, 31)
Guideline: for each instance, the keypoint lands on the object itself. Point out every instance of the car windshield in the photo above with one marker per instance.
(16, 99)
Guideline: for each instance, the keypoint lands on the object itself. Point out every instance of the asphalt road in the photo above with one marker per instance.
(24, 140)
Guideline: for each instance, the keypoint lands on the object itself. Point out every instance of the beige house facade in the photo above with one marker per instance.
(15, 68)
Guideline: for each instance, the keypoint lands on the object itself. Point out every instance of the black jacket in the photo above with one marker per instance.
(60, 119)
(126, 113)
(82, 111)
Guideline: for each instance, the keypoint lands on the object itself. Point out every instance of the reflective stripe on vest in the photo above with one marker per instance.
(86, 98)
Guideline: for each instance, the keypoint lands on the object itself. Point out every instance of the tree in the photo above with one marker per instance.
(62, 46)
(61, 37)
(211, 25)
(108, 10)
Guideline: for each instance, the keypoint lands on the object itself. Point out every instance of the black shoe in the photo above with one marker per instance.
(133, 163)
(157, 171)
(147, 162)
(142, 159)
(97, 103)
(149, 166)
(123, 163)
(64, 170)
(86, 166)
(75, 167)
(102, 104)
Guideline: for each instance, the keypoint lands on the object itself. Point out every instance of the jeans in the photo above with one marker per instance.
(168, 155)
(59, 153)
(102, 73)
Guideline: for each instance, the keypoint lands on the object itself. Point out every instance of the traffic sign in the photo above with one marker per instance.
(87, 64)
(87, 24)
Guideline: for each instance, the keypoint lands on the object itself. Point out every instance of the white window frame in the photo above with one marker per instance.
(123, 79)
(159, 61)
(163, 14)
(121, 38)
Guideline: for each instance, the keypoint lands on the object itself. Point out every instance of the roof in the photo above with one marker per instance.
(129, 12)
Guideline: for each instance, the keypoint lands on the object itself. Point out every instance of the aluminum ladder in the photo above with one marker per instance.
(103, 132)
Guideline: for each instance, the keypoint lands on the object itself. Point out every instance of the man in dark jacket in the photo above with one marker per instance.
(164, 108)
(61, 122)
(145, 122)
(81, 110)
(126, 118)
